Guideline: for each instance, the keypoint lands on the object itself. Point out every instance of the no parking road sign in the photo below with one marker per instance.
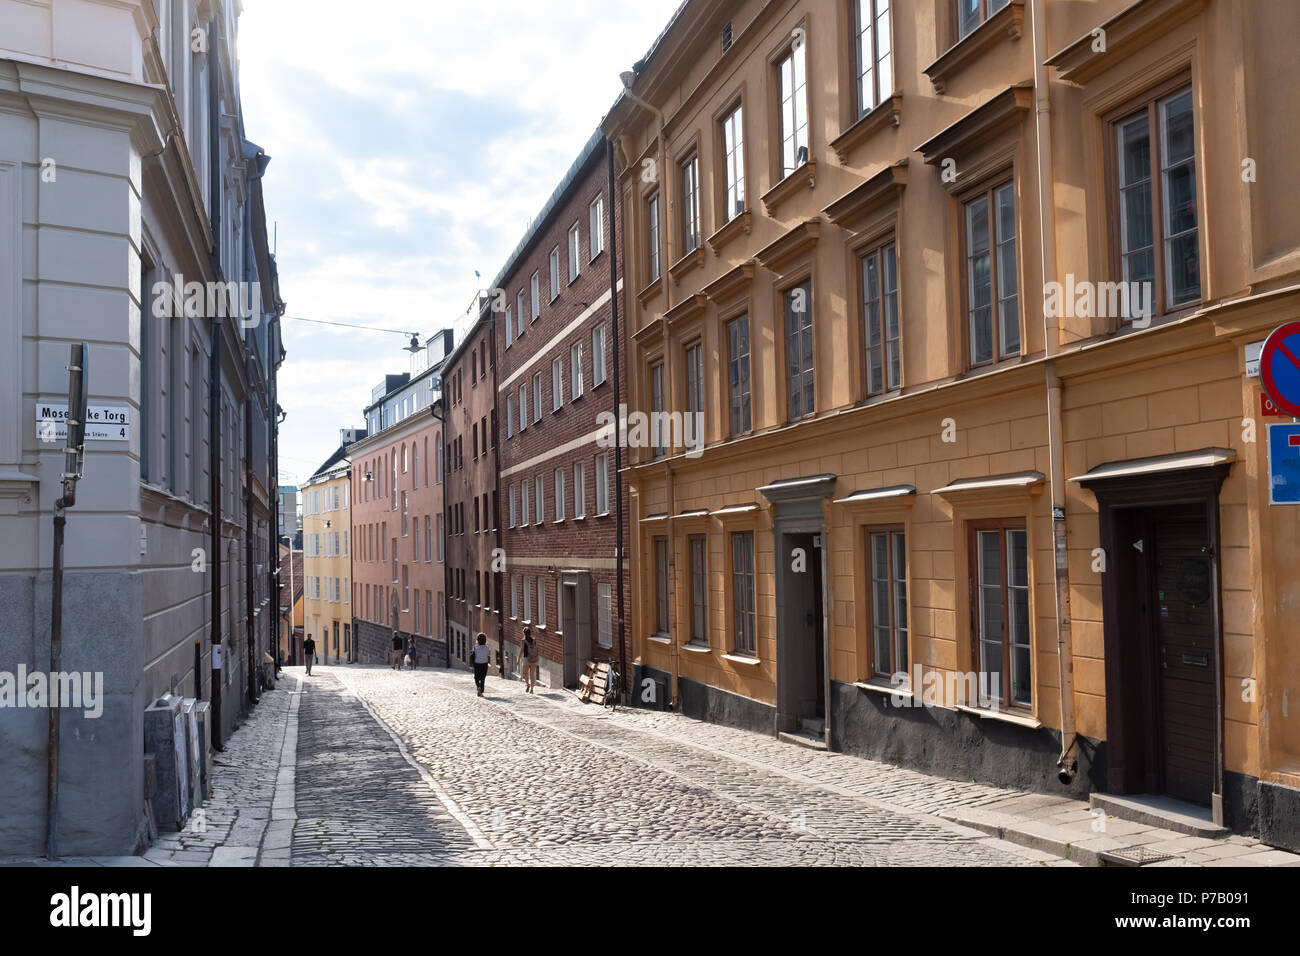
(1279, 368)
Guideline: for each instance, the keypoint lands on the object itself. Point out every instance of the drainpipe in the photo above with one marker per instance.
(1067, 765)
(618, 415)
(248, 534)
(214, 392)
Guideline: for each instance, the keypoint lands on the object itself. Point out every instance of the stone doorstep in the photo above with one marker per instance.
(1066, 842)
(1161, 811)
(804, 740)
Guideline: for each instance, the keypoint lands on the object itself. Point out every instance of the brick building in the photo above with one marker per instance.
(396, 478)
(558, 484)
(473, 531)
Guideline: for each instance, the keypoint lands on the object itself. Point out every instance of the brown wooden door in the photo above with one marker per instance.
(1184, 660)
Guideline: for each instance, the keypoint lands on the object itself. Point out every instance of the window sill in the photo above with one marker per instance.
(580, 518)
(735, 226)
(1024, 719)
(805, 177)
(692, 259)
(602, 514)
(660, 638)
(654, 287)
(988, 34)
(558, 521)
(888, 112)
(741, 659)
(697, 648)
(875, 687)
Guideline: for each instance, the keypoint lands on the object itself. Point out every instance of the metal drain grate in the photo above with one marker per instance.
(1136, 856)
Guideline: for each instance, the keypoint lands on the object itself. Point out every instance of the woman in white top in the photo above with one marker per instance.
(482, 655)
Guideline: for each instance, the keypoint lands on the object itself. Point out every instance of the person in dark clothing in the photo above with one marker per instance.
(309, 652)
(398, 644)
(482, 657)
(410, 651)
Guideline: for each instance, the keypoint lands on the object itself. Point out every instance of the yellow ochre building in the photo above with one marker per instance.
(964, 295)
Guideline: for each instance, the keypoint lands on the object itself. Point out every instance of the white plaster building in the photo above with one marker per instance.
(123, 164)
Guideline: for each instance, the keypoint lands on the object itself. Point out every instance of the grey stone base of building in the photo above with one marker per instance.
(701, 701)
(958, 745)
(1271, 811)
(374, 645)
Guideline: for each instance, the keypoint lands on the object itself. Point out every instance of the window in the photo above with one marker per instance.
(693, 430)
(1000, 629)
(519, 311)
(555, 273)
(871, 49)
(537, 396)
(528, 599)
(406, 591)
(597, 355)
(791, 75)
(799, 351)
(394, 556)
(657, 408)
(557, 384)
(512, 507)
(579, 489)
(415, 467)
(438, 456)
(523, 407)
(596, 226)
(540, 488)
(742, 591)
(661, 585)
(733, 165)
(690, 178)
(971, 13)
(558, 493)
(575, 371)
(428, 539)
(403, 514)
(880, 317)
(1158, 226)
(510, 416)
(440, 537)
(510, 328)
(991, 275)
(541, 602)
(526, 496)
(536, 286)
(888, 597)
(604, 616)
(574, 240)
(652, 237)
(602, 483)
(738, 374)
(699, 589)
(514, 597)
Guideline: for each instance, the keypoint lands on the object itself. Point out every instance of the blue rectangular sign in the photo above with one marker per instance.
(1284, 464)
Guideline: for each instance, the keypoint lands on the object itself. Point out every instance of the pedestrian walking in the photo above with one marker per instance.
(410, 652)
(309, 652)
(398, 644)
(531, 657)
(482, 655)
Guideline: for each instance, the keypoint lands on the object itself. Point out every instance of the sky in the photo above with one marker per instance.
(410, 145)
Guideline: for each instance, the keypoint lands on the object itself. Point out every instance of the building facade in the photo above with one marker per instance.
(327, 561)
(471, 515)
(961, 296)
(288, 516)
(292, 591)
(123, 160)
(397, 505)
(554, 335)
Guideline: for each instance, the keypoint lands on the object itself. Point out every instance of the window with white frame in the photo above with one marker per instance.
(575, 371)
(579, 490)
(523, 407)
(536, 284)
(733, 165)
(597, 355)
(652, 237)
(792, 89)
(557, 384)
(541, 602)
(602, 483)
(537, 396)
(510, 416)
(519, 312)
(689, 173)
(555, 273)
(528, 599)
(574, 241)
(540, 499)
(557, 493)
(512, 507)
(604, 616)
(514, 597)
(596, 226)
(526, 497)
(871, 52)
